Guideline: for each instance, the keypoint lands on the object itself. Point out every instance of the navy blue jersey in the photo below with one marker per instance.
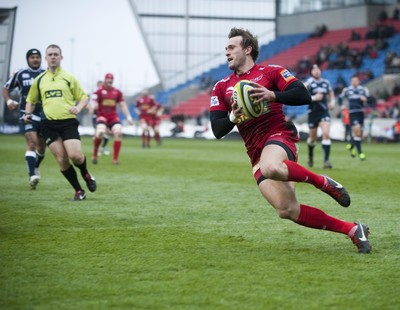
(319, 86)
(23, 80)
(354, 94)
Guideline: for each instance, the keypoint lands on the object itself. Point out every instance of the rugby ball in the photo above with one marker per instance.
(241, 95)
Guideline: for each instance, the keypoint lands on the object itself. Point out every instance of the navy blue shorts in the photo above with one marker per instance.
(357, 119)
(315, 118)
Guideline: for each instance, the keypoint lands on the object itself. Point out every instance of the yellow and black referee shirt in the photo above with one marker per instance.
(59, 92)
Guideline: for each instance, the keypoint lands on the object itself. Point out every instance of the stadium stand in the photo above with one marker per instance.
(287, 51)
(196, 105)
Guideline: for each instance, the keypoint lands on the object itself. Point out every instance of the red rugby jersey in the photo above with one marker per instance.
(107, 100)
(274, 78)
(144, 104)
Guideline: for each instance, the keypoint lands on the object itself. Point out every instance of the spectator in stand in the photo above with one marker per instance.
(339, 57)
(323, 54)
(383, 16)
(381, 44)
(355, 58)
(303, 67)
(370, 51)
(339, 84)
(355, 36)
(396, 14)
(396, 90)
(319, 31)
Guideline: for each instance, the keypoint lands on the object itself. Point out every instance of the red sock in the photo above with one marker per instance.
(117, 147)
(157, 137)
(298, 173)
(315, 218)
(96, 143)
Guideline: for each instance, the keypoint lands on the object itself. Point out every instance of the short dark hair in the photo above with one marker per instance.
(248, 39)
(54, 46)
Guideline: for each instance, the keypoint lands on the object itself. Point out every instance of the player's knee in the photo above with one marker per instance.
(311, 141)
(271, 171)
(100, 131)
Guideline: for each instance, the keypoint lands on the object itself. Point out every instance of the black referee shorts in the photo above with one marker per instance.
(66, 129)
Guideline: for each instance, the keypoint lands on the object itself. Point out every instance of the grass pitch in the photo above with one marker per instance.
(183, 226)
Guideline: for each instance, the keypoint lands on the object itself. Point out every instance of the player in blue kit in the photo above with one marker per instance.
(35, 146)
(323, 100)
(357, 96)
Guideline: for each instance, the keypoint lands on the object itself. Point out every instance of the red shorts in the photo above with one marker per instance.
(147, 119)
(287, 139)
(109, 120)
(155, 122)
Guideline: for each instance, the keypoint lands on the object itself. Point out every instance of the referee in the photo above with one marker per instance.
(63, 98)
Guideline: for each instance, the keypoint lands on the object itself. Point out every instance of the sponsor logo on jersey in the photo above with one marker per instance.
(287, 75)
(56, 93)
(27, 81)
(112, 103)
(258, 78)
(229, 90)
(214, 101)
(26, 76)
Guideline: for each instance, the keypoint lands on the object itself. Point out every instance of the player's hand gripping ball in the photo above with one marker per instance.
(241, 95)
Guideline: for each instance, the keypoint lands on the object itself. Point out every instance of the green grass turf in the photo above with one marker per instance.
(183, 226)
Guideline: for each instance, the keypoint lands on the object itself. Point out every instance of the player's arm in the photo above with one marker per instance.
(295, 94)
(331, 103)
(82, 103)
(341, 96)
(160, 110)
(137, 109)
(125, 110)
(221, 124)
(92, 106)
(28, 112)
(364, 98)
(11, 104)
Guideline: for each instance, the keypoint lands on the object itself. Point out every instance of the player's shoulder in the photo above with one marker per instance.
(309, 80)
(223, 82)
(23, 72)
(345, 90)
(269, 68)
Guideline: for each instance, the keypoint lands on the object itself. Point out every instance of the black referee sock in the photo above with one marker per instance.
(83, 168)
(311, 151)
(71, 176)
